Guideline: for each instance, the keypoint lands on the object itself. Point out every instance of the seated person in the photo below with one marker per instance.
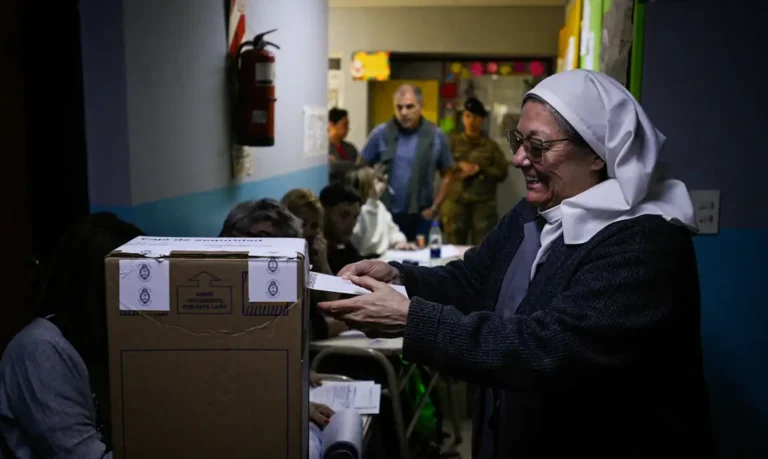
(304, 204)
(342, 207)
(375, 231)
(54, 385)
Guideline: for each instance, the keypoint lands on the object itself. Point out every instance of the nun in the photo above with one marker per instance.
(578, 315)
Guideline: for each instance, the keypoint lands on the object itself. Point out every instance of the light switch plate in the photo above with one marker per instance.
(706, 209)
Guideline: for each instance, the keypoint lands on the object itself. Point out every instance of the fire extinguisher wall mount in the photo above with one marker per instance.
(255, 104)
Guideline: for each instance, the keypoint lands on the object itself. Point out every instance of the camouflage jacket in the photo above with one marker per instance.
(493, 168)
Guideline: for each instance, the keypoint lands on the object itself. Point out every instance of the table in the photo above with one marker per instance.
(400, 255)
(378, 349)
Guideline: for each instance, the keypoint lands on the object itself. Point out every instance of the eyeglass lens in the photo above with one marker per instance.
(534, 148)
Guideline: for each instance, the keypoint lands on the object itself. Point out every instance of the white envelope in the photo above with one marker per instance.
(326, 283)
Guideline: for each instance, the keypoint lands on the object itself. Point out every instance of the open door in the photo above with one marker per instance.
(380, 105)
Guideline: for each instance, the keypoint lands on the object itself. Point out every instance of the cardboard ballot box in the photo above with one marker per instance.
(208, 348)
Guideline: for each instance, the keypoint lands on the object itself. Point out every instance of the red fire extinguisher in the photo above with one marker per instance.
(255, 112)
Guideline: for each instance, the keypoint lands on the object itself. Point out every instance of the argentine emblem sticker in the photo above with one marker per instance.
(273, 266)
(145, 274)
(273, 288)
(145, 296)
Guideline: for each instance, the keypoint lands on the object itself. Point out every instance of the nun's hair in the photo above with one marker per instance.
(569, 131)
(246, 214)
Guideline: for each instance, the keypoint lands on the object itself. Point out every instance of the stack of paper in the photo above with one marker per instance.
(363, 397)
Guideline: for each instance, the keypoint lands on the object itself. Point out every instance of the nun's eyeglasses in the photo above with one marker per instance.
(534, 148)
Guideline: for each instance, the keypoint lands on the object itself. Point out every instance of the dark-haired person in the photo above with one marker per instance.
(303, 203)
(54, 387)
(261, 218)
(342, 207)
(338, 128)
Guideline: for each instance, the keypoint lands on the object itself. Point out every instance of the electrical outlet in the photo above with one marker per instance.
(706, 209)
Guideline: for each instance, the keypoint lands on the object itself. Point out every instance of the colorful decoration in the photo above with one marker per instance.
(519, 67)
(466, 74)
(448, 91)
(536, 68)
(448, 125)
(492, 67)
(449, 77)
(456, 67)
(370, 65)
(505, 69)
(477, 68)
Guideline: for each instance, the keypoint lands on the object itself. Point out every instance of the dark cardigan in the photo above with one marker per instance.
(603, 356)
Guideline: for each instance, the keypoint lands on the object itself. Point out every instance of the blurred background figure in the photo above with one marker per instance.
(411, 150)
(469, 211)
(338, 128)
(375, 231)
(342, 207)
(304, 204)
(262, 218)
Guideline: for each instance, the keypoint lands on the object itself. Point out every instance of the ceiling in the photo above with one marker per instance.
(413, 3)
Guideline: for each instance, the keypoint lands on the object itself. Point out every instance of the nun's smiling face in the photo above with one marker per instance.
(554, 168)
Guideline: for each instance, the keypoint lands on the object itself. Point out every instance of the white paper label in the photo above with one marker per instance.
(144, 285)
(258, 117)
(315, 131)
(265, 71)
(272, 280)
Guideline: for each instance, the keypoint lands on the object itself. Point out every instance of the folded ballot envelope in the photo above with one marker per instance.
(326, 283)
(208, 348)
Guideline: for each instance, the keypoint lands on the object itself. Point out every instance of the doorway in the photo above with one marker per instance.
(498, 81)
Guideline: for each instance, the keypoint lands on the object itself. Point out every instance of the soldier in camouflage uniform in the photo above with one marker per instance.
(469, 210)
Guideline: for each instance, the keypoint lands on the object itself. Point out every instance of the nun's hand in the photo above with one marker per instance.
(383, 312)
(376, 269)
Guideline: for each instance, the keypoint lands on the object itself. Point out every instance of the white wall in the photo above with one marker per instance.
(514, 31)
(156, 111)
(174, 55)
(176, 96)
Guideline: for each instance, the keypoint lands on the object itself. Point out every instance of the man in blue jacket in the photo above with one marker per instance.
(411, 150)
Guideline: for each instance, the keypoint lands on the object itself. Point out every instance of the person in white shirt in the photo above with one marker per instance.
(375, 231)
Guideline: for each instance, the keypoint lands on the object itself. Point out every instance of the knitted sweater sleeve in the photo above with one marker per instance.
(460, 283)
(620, 309)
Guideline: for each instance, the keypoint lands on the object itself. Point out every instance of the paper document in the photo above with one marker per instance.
(363, 397)
(326, 283)
(421, 256)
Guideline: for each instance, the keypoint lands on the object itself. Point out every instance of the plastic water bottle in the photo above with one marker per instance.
(435, 241)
